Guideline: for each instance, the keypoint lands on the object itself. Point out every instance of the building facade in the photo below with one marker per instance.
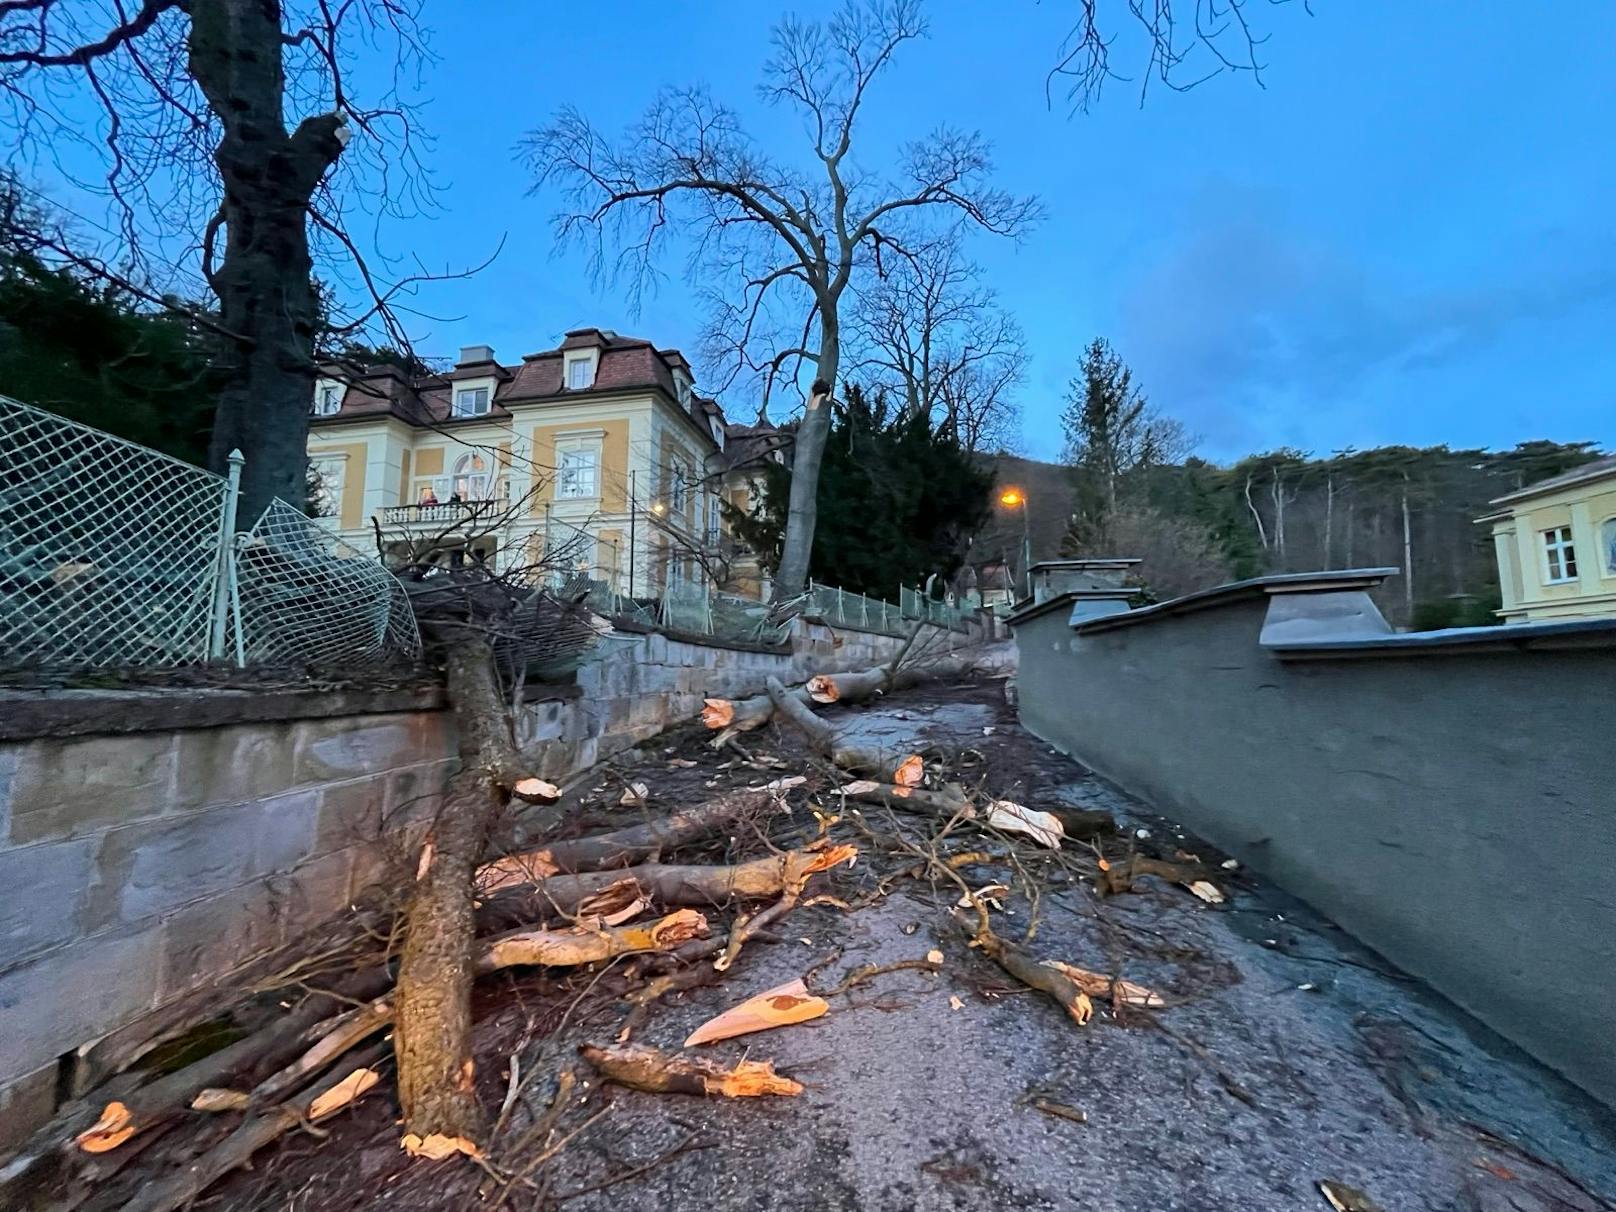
(1556, 546)
(598, 457)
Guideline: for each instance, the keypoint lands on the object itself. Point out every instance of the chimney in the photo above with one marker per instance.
(472, 354)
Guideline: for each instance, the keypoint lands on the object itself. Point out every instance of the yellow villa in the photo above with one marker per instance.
(1556, 546)
(598, 457)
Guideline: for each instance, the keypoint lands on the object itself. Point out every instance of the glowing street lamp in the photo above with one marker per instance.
(1010, 498)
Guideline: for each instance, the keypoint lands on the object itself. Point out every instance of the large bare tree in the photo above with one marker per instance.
(181, 109)
(778, 247)
(932, 331)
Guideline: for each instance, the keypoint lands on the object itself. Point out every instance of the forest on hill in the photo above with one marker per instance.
(1130, 486)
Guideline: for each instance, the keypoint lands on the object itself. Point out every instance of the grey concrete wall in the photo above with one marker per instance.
(1454, 808)
(150, 846)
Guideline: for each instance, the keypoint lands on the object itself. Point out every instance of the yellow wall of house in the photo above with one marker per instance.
(404, 479)
(352, 510)
(1585, 508)
(429, 461)
(614, 466)
(614, 463)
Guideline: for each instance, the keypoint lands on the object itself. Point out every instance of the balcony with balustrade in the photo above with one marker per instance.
(440, 514)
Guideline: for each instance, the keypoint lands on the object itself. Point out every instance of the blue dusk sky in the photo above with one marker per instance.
(1408, 235)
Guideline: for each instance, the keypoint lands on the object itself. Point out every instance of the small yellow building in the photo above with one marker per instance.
(1556, 546)
(597, 457)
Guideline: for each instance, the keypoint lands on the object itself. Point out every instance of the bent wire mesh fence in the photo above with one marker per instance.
(113, 555)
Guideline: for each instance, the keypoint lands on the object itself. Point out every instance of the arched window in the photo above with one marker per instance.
(1607, 545)
(470, 478)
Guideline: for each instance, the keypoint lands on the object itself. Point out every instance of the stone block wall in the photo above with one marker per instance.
(139, 866)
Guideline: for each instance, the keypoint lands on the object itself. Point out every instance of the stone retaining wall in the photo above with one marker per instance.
(151, 843)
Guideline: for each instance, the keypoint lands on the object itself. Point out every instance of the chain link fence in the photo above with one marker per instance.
(304, 597)
(694, 609)
(113, 555)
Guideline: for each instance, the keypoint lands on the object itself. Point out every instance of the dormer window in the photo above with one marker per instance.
(470, 402)
(580, 373)
(327, 399)
(681, 384)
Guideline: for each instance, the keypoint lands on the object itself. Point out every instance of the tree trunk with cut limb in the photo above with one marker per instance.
(436, 1075)
(903, 769)
(264, 278)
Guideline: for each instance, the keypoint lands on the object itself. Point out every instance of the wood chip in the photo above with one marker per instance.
(954, 1002)
(213, 1099)
(437, 1146)
(782, 1006)
(332, 1100)
(934, 956)
(115, 1126)
(634, 795)
(1045, 828)
(1207, 892)
(1347, 1199)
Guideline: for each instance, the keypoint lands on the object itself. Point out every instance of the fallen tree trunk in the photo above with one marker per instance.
(866, 684)
(621, 847)
(904, 769)
(665, 885)
(436, 1074)
(743, 715)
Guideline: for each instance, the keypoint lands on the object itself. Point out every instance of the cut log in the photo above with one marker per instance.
(866, 684)
(623, 846)
(1061, 988)
(645, 1068)
(1095, 985)
(944, 802)
(436, 1072)
(743, 715)
(666, 885)
(904, 769)
(588, 945)
(1120, 876)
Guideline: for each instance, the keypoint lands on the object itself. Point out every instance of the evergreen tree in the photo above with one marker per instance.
(95, 355)
(898, 495)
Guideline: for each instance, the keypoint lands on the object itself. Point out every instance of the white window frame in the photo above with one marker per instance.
(473, 470)
(328, 398)
(332, 473)
(678, 494)
(572, 460)
(1607, 546)
(1559, 555)
(587, 362)
(459, 407)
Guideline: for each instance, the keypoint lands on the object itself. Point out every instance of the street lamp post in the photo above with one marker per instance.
(1012, 497)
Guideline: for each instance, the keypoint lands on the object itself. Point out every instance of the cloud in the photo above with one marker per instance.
(1258, 335)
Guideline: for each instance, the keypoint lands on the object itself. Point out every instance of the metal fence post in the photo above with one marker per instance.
(225, 569)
